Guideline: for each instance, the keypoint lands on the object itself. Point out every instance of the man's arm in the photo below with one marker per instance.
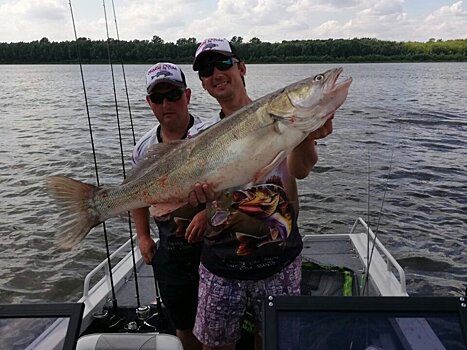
(304, 157)
(146, 243)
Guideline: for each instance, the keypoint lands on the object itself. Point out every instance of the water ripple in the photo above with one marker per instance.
(405, 141)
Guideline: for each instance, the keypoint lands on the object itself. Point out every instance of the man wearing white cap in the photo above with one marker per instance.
(176, 260)
(252, 242)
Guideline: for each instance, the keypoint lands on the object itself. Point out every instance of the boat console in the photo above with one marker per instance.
(366, 323)
(23, 325)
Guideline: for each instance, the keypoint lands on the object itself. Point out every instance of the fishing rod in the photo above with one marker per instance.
(109, 263)
(124, 78)
(122, 157)
(370, 254)
(367, 274)
(158, 298)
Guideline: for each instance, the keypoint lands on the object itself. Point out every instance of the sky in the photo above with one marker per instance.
(268, 20)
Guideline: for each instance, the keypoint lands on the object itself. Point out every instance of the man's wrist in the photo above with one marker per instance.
(144, 236)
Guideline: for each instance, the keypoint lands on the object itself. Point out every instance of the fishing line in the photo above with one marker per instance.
(380, 212)
(134, 143)
(158, 299)
(124, 78)
(367, 272)
(382, 203)
(114, 299)
(122, 157)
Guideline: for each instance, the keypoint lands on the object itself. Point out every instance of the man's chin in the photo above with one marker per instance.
(169, 116)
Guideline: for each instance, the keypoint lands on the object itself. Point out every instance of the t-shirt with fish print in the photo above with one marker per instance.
(252, 232)
(174, 252)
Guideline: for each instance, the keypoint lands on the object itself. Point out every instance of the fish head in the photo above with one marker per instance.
(309, 103)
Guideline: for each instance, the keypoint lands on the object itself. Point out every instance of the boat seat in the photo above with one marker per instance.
(129, 341)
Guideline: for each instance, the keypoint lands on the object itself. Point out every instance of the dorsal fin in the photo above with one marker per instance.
(153, 153)
(158, 150)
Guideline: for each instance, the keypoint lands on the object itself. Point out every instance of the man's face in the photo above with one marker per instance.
(221, 75)
(169, 104)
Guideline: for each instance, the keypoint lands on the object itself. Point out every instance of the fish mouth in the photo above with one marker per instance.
(334, 92)
(333, 89)
(333, 85)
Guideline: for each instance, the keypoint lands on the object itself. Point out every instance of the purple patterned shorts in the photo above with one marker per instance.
(222, 302)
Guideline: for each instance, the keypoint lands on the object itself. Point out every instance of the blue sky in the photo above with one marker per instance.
(269, 20)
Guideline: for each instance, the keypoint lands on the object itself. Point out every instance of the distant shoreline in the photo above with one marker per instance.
(365, 50)
(248, 62)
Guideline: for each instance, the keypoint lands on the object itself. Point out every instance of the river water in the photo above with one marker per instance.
(401, 136)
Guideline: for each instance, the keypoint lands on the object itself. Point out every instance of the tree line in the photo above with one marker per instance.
(86, 50)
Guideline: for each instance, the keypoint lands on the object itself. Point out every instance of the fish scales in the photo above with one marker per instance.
(233, 152)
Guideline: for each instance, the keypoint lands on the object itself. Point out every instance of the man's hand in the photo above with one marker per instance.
(323, 131)
(196, 228)
(147, 246)
(202, 193)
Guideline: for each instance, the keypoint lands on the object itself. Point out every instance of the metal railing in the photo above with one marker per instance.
(391, 262)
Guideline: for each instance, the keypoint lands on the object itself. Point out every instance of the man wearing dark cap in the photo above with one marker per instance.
(252, 244)
(176, 260)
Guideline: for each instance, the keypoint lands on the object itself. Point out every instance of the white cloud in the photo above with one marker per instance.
(269, 20)
(450, 21)
(32, 19)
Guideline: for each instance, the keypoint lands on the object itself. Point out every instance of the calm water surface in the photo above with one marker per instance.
(405, 120)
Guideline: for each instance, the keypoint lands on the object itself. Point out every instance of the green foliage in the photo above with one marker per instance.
(236, 40)
(253, 51)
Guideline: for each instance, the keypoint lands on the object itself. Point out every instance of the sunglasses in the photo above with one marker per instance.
(208, 69)
(172, 96)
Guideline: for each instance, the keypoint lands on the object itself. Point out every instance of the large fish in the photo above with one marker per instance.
(238, 150)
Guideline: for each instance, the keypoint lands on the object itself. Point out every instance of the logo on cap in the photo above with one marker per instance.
(164, 73)
(210, 46)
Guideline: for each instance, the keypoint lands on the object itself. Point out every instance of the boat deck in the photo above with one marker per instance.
(347, 252)
(329, 250)
(126, 295)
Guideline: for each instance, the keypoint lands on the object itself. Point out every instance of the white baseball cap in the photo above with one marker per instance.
(164, 72)
(222, 46)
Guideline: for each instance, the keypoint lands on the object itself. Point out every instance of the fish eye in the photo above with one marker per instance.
(318, 77)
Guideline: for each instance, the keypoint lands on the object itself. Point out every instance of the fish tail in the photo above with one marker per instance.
(77, 215)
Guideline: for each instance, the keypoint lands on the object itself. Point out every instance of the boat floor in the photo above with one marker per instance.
(330, 251)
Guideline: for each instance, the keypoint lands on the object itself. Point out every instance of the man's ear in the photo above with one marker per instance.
(242, 68)
(188, 95)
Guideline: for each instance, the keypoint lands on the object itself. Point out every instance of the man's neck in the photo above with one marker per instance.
(169, 134)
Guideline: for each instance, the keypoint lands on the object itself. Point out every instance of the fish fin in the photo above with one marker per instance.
(153, 153)
(77, 216)
(301, 120)
(280, 107)
(163, 209)
(270, 167)
(307, 124)
(269, 242)
(220, 217)
(279, 126)
(242, 236)
(158, 150)
(182, 225)
(243, 249)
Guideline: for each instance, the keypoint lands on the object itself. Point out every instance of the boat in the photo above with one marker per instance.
(344, 274)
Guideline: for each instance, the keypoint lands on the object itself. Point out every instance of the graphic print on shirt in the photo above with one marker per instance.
(254, 218)
(172, 230)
